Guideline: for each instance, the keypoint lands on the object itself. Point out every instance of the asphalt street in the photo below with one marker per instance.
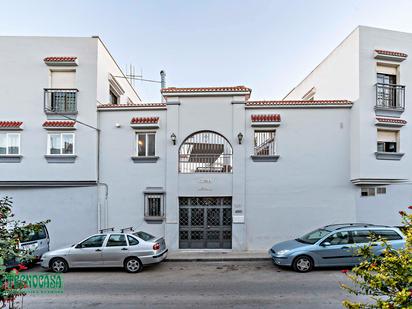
(251, 284)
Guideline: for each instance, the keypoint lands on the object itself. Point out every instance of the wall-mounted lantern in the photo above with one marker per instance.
(173, 137)
(240, 138)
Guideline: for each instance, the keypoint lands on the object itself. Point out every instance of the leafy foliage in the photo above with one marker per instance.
(11, 232)
(386, 278)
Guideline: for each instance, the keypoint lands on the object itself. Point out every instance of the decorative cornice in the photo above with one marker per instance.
(390, 122)
(48, 183)
(10, 125)
(207, 91)
(265, 118)
(377, 181)
(56, 124)
(390, 55)
(123, 107)
(144, 120)
(61, 61)
(299, 104)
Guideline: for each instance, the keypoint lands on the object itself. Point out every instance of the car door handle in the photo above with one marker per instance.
(344, 247)
(98, 250)
(124, 249)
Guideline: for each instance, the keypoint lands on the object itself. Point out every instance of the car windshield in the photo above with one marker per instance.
(143, 235)
(314, 236)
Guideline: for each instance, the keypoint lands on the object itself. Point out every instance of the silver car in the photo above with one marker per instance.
(128, 250)
(333, 245)
(36, 243)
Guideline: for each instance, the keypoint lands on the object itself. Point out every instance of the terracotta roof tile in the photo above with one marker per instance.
(144, 120)
(59, 124)
(120, 106)
(299, 103)
(266, 118)
(10, 124)
(390, 53)
(391, 120)
(60, 59)
(208, 89)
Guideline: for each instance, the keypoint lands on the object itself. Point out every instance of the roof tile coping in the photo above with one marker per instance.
(391, 120)
(266, 118)
(144, 120)
(391, 53)
(60, 59)
(300, 103)
(59, 124)
(10, 124)
(125, 106)
(207, 89)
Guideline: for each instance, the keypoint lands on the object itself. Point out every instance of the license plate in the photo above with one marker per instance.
(29, 247)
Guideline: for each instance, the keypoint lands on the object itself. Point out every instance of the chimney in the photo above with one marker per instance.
(162, 79)
(162, 83)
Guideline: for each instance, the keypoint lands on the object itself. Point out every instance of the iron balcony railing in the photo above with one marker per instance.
(389, 96)
(60, 100)
(205, 163)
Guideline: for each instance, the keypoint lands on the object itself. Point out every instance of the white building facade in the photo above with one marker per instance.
(208, 168)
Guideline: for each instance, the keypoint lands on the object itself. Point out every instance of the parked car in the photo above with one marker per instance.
(36, 242)
(128, 250)
(333, 245)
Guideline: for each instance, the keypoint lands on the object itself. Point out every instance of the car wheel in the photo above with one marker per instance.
(303, 264)
(59, 265)
(133, 265)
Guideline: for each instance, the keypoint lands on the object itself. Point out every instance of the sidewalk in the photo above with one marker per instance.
(216, 256)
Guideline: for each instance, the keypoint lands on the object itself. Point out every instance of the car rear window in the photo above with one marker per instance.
(143, 235)
(364, 236)
(36, 234)
(132, 241)
(388, 234)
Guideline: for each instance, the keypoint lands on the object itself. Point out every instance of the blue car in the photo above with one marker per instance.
(333, 245)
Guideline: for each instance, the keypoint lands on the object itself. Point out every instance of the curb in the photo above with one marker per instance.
(225, 259)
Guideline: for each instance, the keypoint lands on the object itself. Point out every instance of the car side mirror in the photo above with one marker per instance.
(326, 244)
(78, 246)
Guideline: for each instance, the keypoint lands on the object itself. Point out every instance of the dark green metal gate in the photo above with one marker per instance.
(205, 222)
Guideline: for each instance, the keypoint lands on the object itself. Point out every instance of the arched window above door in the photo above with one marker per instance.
(205, 152)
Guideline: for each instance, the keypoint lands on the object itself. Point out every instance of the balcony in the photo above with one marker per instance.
(61, 101)
(390, 100)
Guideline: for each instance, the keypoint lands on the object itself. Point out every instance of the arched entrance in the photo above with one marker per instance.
(205, 222)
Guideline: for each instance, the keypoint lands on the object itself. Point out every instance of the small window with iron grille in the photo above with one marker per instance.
(264, 143)
(367, 191)
(154, 207)
(381, 190)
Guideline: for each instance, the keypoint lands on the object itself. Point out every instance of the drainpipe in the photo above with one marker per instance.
(106, 195)
(101, 224)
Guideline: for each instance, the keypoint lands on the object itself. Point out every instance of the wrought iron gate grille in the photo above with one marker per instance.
(205, 222)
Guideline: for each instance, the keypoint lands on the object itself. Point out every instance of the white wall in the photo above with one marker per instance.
(72, 211)
(24, 76)
(105, 65)
(309, 185)
(337, 76)
(126, 179)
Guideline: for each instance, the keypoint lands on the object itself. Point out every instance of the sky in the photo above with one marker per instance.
(267, 45)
